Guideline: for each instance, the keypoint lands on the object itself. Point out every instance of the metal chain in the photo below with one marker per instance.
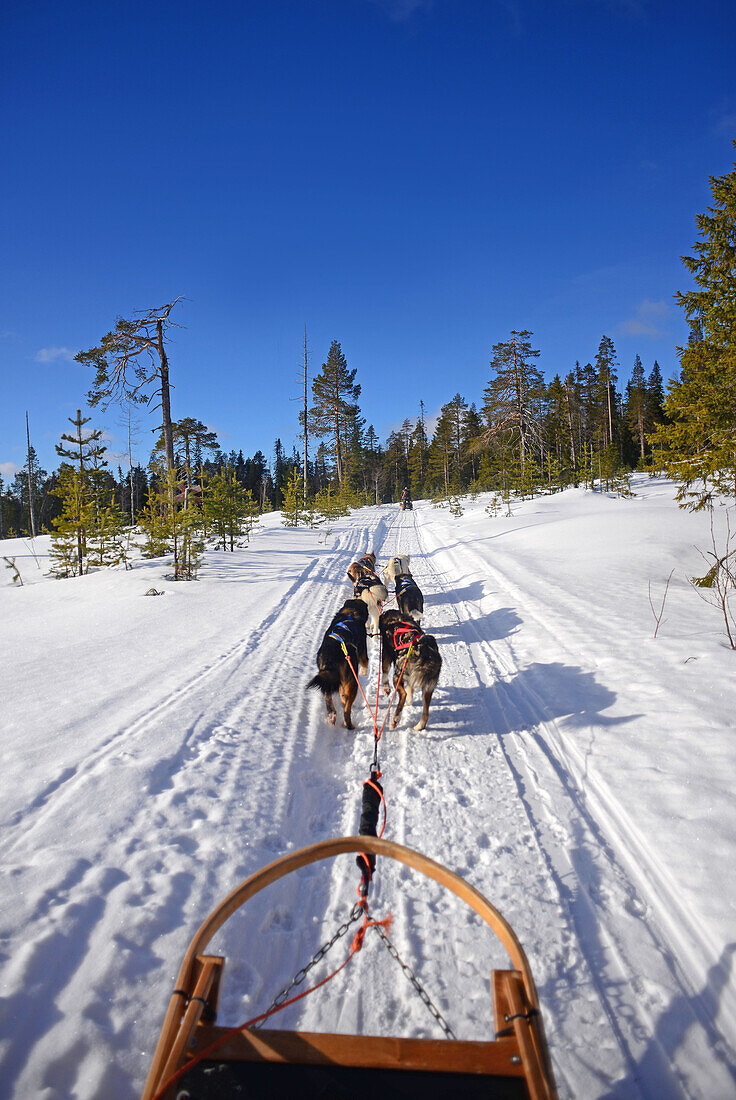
(424, 996)
(356, 914)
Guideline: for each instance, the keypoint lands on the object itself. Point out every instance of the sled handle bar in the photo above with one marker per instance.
(327, 849)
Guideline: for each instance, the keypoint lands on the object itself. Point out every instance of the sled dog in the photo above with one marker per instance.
(416, 660)
(367, 586)
(398, 564)
(346, 629)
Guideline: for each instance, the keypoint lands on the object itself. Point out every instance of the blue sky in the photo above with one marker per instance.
(413, 178)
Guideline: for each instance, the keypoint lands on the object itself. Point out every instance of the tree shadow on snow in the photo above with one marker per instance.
(498, 624)
(537, 694)
(670, 1030)
(474, 591)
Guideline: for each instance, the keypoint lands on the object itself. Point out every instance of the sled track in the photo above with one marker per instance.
(192, 801)
(572, 843)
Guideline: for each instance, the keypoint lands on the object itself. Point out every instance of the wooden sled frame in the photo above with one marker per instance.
(520, 1052)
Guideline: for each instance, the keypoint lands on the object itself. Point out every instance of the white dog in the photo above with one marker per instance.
(396, 565)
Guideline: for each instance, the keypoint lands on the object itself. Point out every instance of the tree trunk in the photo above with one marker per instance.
(337, 445)
(305, 417)
(165, 398)
(30, 482)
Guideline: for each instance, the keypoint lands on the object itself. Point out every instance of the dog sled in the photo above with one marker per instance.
(197, 1059)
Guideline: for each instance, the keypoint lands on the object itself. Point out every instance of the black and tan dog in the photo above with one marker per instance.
(416, 660)
(368, 586)
(346, 629)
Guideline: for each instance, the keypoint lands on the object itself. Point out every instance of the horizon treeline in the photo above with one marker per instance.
(522, 436)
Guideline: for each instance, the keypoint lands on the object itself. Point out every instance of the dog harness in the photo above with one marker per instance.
(366, 563)
(365, 581)
(405, 584)
(346, 632)
(405, 635)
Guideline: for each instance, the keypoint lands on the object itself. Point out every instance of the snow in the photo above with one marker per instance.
(579, 772)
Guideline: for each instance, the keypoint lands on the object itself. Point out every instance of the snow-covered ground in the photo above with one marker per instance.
(155, 750)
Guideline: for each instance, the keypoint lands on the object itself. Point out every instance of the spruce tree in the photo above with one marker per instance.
(636, 404)
(698, 442)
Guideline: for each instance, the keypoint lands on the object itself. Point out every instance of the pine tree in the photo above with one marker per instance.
(511, 397)
(442, 449)
(293, 510)
(83, 449)
(131, 364)
(228, 508)
(172, 528)
(606, 376)
(335, 392)
(69, 540)
(106, 544)
(28, 485)
(699, 441)
(418, 456)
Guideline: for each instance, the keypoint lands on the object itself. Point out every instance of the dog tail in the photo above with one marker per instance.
(428, 648)
(327, 681)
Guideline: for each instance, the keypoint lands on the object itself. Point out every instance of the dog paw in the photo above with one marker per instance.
(420, 726)
(332, 719)
(394, 723)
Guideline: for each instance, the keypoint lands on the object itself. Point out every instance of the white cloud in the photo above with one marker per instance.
(9, 469)
(649, 320)
(50, 355)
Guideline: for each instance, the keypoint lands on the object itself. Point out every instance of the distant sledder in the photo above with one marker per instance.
(406, 502)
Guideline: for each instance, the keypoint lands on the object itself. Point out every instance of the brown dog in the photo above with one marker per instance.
(347, 630)
(416, 660)
(367, 586)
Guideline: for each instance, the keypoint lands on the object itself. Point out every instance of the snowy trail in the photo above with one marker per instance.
(138, 826)
(626, 910)
(201, 794)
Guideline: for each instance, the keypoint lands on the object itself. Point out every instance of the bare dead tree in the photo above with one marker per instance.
(718, 585)
(305, 413)
(132, 364)
(658, 615)
(29, 467)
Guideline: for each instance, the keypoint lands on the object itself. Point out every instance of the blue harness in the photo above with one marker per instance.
(405, 584)
(347, 632)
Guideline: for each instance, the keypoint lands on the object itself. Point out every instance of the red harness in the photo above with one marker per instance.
(405, 635)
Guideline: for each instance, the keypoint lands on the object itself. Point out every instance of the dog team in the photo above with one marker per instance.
(413, 654)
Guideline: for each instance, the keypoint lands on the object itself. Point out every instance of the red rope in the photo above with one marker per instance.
(396, 688)
(355, 674)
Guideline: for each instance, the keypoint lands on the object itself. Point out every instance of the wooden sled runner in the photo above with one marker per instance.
(274, 1064)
